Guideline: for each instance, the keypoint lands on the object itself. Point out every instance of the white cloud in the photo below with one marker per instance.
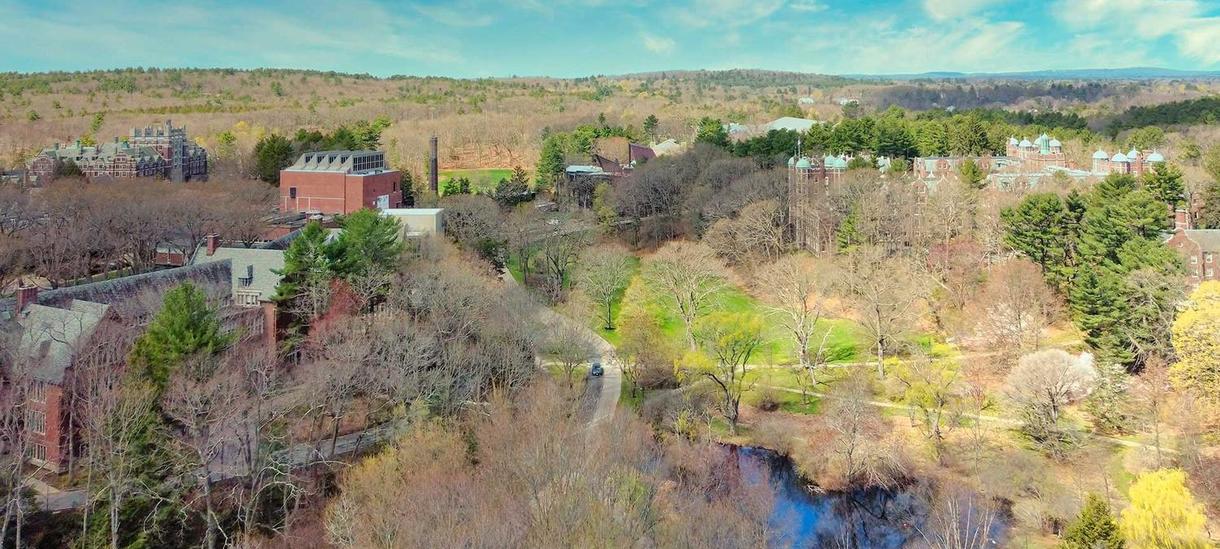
(807, 6)
(725, 13)
(462, 14)
(657, 44)
(127, 33)
(972, 46)
(950, 9)
(1186, 23)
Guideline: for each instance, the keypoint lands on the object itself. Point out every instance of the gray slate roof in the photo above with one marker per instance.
(51, 336)
(259, 262)
(1207, 239)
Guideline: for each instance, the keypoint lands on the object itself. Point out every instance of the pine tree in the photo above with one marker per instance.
(369, 245)
(1094, 527)
(1041, 228)
(1164, 182)
(1107, 402)
(848, 236)
(184, 327)
(1096, 301)
(971, 174)
(650, 127)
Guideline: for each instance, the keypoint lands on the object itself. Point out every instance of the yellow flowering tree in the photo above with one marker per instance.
(726, 341)
(1163, 513)
(1196, 340)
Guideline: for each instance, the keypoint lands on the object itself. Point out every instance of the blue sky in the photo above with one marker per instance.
(471, 38)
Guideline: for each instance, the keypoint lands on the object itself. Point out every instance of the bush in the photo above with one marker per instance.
(766, 400)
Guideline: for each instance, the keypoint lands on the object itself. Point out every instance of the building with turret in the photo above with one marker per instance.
(152, 151)
(1134, 162)
(808, 179)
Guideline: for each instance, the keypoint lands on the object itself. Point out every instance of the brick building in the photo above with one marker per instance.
(808, 180)
(59, 332)
(339, 182)
(1134, 162)
(153, 151)
(1200, 248)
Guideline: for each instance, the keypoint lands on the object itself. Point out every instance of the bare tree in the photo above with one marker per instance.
(1015, 306)
(728, 341)
(858, 453)
(932, 389)
(960, 519)
(559, 252)
(603, 274)
(688, 276)
(568, 345)
(794, 289)
(199, 401)
(1151, 394)
(886, 310)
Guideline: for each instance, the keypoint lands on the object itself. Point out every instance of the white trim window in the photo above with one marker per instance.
(247, 299)
(38, 452)
(36, 421)
(38, 392)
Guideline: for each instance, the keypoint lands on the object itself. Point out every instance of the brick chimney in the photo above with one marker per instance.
(433, 176)
(1181, 220)
(213, 242)
(26, 295)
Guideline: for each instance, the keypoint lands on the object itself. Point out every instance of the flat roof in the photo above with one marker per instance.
(410, 211)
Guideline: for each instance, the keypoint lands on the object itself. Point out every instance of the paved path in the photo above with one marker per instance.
(1003, 421)
(229, 465)
(601, 395)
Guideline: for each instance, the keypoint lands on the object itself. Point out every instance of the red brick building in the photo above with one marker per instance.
(339, 182)
(1199, 247)
(154, 151)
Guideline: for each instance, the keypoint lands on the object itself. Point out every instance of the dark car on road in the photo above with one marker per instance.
(596, 370)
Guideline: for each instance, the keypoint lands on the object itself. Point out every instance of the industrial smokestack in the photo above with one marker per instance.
(433, 176)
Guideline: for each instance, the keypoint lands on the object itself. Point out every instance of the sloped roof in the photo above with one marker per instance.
(256, 264)
(52, 336)
(138, 295)
(1207, 239)
(791, 123)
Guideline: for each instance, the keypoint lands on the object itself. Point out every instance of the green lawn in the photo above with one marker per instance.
(844, 344)
(481, 180)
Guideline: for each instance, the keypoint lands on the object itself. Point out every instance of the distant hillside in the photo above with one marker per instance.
(1131, 73)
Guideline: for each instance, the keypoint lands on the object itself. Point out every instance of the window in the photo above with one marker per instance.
(292, 192)
(1211, 274)
(1207, 257)
(38, 392)
(1194, 260)
(36, 422)
(247, 299)
(38, 452)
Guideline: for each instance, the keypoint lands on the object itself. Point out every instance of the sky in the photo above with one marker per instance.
(570, 38)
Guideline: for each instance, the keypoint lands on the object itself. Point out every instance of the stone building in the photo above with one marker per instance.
(153, 151)
(808, 180)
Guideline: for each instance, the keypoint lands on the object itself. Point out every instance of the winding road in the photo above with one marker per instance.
(601, 393)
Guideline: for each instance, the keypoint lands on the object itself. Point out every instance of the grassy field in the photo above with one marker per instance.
(845, 343)
(481, 180)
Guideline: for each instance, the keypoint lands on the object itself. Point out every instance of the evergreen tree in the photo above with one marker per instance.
(650, 127)
(304, 288)
(1164, 182)
(550, 161)
(272, 154)
(1094, 527)
(848, 236)
(184, 327)
(513, 191)
(931, 138)
(712, 131)
(1041, 228)
(1097, 303)
(1107, 403)
(971, 174)
(370, 244)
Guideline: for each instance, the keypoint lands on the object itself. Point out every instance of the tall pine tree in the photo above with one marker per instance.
(1094, 527)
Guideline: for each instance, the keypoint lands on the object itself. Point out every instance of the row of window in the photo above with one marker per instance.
(1207, 258)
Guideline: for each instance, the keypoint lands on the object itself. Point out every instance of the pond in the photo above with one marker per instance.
(801, 517)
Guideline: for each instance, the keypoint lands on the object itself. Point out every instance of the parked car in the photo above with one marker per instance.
(596, 370)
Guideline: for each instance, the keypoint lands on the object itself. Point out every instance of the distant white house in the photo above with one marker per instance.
(667, 147)
(799, 125)
(417, 222)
